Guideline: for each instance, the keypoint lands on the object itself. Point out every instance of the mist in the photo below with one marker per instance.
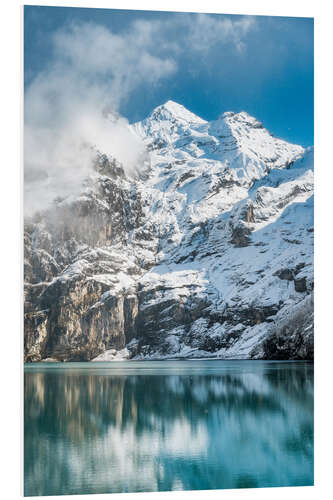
(71, 108)
(58, 158)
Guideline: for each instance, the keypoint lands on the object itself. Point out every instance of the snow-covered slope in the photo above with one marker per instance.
(205, 255)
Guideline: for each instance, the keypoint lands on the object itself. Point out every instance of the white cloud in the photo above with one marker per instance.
(207, 31)
(94, 70)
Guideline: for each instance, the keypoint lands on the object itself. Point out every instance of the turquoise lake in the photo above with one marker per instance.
(166, 425)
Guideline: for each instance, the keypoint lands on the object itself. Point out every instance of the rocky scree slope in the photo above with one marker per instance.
(207, 253)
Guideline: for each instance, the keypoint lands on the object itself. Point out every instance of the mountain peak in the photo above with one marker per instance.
(173, 105)
(173, 110)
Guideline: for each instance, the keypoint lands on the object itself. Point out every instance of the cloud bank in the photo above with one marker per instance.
(71, 107)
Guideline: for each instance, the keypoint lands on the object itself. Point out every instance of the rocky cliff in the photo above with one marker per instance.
(208, 252)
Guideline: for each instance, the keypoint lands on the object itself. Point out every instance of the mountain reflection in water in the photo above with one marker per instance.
(155, 426)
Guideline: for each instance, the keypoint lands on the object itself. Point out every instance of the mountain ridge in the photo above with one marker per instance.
(204, 256)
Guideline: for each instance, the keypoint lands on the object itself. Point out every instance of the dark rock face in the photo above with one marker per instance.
(240, 236)
(300, 285)
(156, 320)
(35, 335)
(285, 274)
(294, 338)
(80, 329)
(67, 317)
(77, 319)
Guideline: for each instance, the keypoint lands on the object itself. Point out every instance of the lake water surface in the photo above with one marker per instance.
(169, 425)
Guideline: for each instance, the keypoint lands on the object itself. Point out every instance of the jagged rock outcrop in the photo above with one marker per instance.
(293, 336)
(198, 256)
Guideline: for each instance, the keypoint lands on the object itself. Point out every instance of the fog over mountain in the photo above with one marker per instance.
(192, 239)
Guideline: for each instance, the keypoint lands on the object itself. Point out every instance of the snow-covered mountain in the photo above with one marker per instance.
(208, 253)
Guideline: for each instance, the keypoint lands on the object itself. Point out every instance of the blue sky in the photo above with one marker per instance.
(135, 60)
